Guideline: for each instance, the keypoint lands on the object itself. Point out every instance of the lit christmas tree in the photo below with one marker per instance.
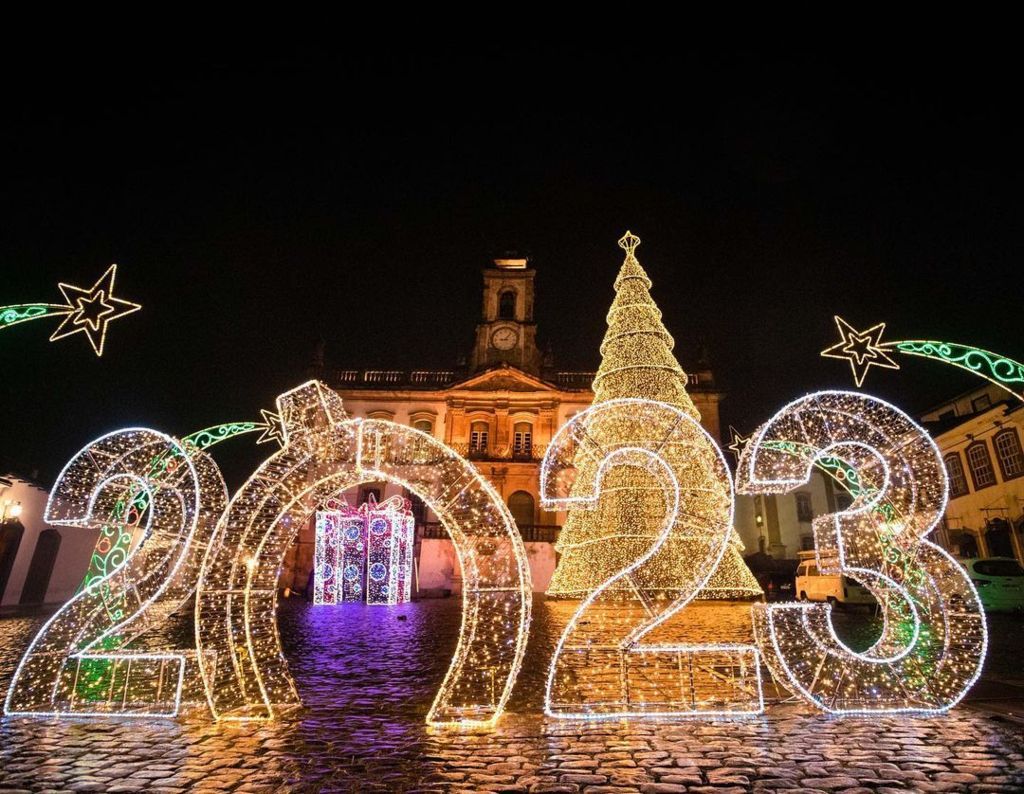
(637, 362)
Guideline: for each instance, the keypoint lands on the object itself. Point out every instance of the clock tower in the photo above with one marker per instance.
(507, 333)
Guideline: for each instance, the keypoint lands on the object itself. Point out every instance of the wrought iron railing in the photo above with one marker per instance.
(536, 533)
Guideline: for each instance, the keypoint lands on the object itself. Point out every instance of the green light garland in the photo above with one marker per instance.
(23, 312)
(1000, 370)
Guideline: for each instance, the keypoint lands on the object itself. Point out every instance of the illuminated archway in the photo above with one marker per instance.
(244, 670)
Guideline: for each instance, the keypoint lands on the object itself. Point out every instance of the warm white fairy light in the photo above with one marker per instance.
(602, 668)
(637, 363)
(934, 636)
(82, 662)
(325, 454)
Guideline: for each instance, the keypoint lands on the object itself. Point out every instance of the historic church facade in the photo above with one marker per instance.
(500, 412)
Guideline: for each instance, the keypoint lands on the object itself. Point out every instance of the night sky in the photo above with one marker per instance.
(255, 203)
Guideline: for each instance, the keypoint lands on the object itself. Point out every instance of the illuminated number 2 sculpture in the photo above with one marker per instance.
(326, 452)
(81, 662)
(606, 663)
(933, 639)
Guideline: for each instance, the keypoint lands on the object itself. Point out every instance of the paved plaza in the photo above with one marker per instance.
(367, 676)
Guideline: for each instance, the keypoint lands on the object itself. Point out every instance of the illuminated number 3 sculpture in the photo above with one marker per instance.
(606, 663)
(325, 453)
(933, 638)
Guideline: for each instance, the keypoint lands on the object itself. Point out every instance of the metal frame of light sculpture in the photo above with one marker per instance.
(326, 452)
(116, 536)
(865, 349)
(184, 502)
(595, 653)
(934, 637)
(77, 318)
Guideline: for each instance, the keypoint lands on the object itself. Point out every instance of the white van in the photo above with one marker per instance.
(833, 588)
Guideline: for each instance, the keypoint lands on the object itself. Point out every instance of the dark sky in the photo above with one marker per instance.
(255, 203)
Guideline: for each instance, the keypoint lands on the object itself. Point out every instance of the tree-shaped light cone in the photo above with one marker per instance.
(637, 362)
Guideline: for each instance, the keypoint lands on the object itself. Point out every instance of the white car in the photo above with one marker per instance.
(999, 581)
(833, 588)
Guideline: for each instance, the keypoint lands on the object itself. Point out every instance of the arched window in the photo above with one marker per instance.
(957, 478)
(507, 305)
(980, 463)
(521, 505)
(424, 426)
(522, 440)
(478, 438)
(1008, 453)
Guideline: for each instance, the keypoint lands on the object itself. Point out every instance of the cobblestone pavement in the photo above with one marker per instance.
(367, 678)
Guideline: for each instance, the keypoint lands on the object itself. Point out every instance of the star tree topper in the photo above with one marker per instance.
(863, 349)
(90, 311)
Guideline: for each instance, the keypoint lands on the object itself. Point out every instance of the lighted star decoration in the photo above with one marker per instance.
(273, 428)
(863, 349)
(90, 311)
(737, 442)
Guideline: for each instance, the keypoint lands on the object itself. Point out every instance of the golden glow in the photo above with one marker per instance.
(652, 464)
(637, 362)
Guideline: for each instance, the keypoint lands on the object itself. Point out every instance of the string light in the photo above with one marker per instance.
(602, 668)
(82, 661)
(87, 311)
(934, 637)
(116, 535)
(864, 349)
(326, 453)
(637, 362)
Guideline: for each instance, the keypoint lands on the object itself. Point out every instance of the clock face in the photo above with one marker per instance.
(505, 338)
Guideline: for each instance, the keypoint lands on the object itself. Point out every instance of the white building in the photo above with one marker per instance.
(39, 564)
(979, 434)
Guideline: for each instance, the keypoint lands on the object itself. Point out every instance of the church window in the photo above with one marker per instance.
(507, 305)
(478, 438)
(522, 440)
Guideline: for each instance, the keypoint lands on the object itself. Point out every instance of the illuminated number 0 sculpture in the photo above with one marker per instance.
(934, 637)
(602, 668)
(326, 452)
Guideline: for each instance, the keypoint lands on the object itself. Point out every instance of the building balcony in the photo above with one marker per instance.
(505, 455)
(536, 533)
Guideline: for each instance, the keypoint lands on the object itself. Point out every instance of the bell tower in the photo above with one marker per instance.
(506, 332)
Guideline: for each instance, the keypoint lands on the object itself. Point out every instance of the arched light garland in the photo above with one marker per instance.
(87, 311)
(81, 662)
(934, 636)
(326, 453)
(602, 668)
(865, 349)
(115, 537)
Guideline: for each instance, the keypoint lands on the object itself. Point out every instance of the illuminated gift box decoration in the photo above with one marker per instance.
(364, 553)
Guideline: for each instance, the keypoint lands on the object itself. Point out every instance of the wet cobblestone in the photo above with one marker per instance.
(368, 676)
